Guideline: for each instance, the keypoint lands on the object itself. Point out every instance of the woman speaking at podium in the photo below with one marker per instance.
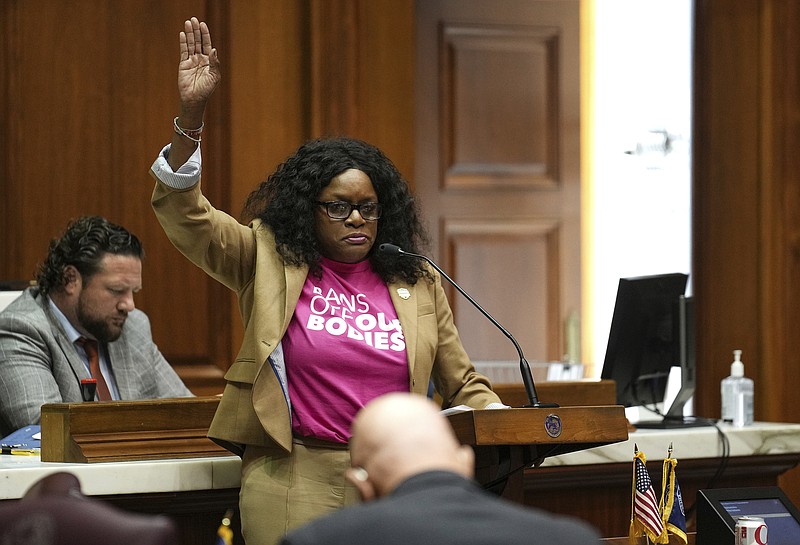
(330, 322)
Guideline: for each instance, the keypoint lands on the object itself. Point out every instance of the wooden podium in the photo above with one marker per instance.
(117, 431)
(507, 441)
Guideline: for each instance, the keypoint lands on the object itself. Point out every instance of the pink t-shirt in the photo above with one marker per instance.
(344, 347)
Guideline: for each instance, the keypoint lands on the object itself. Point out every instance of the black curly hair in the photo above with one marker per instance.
(285, 202)
(83, 245)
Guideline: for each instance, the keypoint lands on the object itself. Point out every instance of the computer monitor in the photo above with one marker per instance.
(718, 509)
(652, 330)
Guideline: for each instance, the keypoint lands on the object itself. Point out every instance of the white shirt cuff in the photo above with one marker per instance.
(495, 405)
(185, 177)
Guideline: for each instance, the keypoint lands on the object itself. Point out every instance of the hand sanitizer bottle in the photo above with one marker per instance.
(737, 394)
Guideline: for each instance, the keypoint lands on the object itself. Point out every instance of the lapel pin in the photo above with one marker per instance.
(403, 293)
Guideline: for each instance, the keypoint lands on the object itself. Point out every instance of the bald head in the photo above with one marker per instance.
(399, 435)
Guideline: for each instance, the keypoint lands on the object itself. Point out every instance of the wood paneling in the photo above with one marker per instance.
(88, 95)
(779, 288)
(92, 98)
(361, 74)
(197, 513)
(520, 252)
(497, 119)
(601, 493)
(499, 100)
(780, 235)
(266, 80)
(746, 202)
(726, 184)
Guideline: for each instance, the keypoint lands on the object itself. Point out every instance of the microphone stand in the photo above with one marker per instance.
(524, 367)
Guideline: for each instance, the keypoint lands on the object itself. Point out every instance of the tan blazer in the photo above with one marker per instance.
(254, 409)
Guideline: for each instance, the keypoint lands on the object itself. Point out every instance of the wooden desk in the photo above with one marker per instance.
(195, 493)
(595, 484)
(690, 538)
(572, 393)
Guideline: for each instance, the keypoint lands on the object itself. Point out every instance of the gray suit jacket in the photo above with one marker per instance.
(39, 365)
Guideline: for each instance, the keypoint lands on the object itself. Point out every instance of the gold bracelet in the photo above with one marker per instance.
(191, 134)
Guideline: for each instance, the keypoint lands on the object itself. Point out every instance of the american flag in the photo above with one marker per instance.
(646, 517)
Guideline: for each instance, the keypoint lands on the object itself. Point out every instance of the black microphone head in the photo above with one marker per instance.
(390, 249)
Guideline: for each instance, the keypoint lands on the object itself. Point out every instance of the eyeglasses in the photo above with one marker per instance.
(341, 210)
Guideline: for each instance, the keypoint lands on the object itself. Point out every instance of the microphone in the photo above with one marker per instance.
(525, 369)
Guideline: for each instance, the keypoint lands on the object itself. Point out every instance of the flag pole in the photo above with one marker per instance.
(633, 479)
(633, 493)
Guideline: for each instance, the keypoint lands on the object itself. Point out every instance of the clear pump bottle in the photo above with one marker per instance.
(737, 394)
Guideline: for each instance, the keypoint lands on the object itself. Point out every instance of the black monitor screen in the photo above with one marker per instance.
(644, 341)
(718, 510)
(782, 528)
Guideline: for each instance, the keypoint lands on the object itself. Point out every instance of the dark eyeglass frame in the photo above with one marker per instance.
(350, 207)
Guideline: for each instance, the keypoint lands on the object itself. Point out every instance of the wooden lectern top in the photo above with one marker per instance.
(116, 431)
(555, 431)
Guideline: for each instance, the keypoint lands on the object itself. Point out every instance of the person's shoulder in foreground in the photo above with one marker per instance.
(416, 483)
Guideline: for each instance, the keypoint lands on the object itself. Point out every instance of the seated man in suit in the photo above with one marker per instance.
(416, 482)
(78, 323)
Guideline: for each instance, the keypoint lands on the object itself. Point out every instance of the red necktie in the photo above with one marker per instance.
(90, 347)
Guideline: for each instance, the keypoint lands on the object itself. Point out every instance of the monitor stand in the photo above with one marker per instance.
(646, 418)
(673, 423)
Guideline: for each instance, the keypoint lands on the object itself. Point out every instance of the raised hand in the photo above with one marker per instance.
(198, 76)
(199, 70)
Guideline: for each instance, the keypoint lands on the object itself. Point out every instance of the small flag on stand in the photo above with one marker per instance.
(671, 506)
(224, 532)
(645, 517)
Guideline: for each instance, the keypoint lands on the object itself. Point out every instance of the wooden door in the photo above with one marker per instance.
(498, 163)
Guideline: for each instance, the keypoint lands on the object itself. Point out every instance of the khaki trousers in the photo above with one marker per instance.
(282, 491)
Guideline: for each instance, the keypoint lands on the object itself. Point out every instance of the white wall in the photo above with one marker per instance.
(639, 201)
(7, 296)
